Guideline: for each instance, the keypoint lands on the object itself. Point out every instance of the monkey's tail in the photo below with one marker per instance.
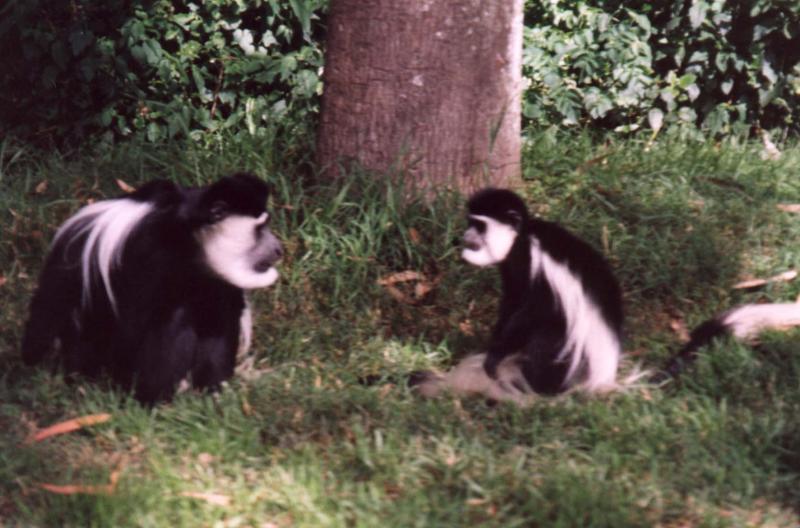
(742, 322)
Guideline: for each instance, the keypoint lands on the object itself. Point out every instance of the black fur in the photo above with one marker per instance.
(530, 320)
(173, 316)
(560, 318)
(699, 337)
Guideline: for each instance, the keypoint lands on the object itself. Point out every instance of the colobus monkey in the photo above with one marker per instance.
(560, 320)
(559, 325)
(150, 287)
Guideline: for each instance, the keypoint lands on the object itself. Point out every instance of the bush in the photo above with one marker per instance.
(583, 64)
(172, 68)
(723, 66)
(162, 68)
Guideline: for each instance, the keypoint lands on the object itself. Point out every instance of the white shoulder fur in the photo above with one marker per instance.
(588, 336)
(107, 225)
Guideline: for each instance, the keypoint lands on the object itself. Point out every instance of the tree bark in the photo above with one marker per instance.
(427, 90)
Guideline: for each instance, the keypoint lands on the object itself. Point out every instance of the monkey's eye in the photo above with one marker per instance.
(478, 225)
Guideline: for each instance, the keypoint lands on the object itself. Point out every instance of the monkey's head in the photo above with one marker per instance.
(233, 231)
(495, 218)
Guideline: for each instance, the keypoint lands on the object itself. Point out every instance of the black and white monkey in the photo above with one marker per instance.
(560, 318)
(151, 287)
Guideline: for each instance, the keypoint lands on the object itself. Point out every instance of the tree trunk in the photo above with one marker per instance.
(428, 90)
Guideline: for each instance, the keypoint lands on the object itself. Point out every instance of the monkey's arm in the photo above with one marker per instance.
(509, 335)
(533, 329)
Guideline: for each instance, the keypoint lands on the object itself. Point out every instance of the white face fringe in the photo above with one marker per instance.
(497, 242)
(227, 246)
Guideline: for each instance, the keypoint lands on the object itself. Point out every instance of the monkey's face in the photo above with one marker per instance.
(242, 250)
(234, 231)
(487, 241)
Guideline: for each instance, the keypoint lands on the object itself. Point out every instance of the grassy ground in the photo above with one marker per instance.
(304, 444)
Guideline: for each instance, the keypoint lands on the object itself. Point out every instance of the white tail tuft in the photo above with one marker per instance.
(746, 321)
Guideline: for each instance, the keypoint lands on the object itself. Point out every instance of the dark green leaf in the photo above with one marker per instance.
(60, 54)
(697, 13)
(303, 14)
(199, 81)
(686, 80)
(726, 86)
(79, 40)
(154, 132)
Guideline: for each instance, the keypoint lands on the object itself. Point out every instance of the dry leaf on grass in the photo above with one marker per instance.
(636, 352)
(605, 236)
(786, 276)
(86, 489)
(422, 287)
(451, 459)
(68, 426)
(124, 186)
(217, 499)
(599, 160)
(401, 276)
(247, 370)
(385, 390)
(247, 409)
(41, 187)
(466, 328)
(205, 459)
(398, 295)
(679, 327)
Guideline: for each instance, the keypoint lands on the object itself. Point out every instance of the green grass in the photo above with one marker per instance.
(306, 445)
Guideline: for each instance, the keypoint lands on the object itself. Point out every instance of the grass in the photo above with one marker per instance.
(305, 444)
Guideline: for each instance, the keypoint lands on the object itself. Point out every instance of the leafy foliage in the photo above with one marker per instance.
(584, 63)
(164, 68)
(175, 68)
(723, 66)
(743, 56)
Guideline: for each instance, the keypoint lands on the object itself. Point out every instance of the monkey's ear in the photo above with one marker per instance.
(515, 217)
